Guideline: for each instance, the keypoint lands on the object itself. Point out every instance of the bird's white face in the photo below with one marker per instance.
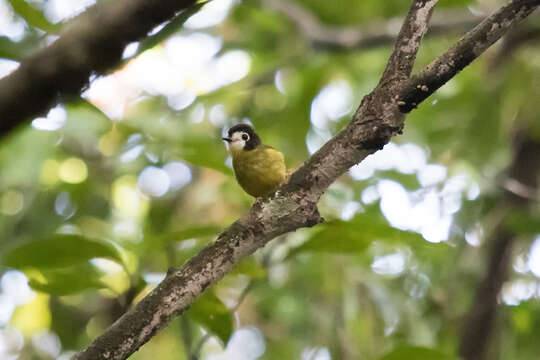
(238, 140)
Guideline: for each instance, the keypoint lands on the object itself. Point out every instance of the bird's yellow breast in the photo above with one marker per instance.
(259, 171)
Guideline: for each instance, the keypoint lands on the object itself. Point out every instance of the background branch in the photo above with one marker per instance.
(513, 41)
(365, 36)
(93, 44)
(480, 323)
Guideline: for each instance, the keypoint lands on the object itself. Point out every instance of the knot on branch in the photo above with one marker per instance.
(316, 219)
(380, 136)
(311, 215)
(413, 94)
(406, 107)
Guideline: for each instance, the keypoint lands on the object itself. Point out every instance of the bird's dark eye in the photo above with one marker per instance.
(245, 137)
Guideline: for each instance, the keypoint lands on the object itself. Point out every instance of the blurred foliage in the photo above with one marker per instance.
(34, 17)
(97, 209)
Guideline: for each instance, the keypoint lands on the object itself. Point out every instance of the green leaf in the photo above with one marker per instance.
(33, 16)
(204, 151)
(67, 281)
(57, 251)
(9, 49)
(523, 223)
(190, 233)
(24, 142)
(85, 121)
(355, 235)
(416, 352)
(68, 322)
(16, 50)
(251, 268)
(338, 237)
(213, 315)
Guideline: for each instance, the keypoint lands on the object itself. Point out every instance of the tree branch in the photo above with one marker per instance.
(294, 205)
(93, 44)
(481, 318)
(365, 36)
(511, 43)
(472, 45)
(401, 61)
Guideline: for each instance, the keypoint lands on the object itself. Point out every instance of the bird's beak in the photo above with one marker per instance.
(227, 139)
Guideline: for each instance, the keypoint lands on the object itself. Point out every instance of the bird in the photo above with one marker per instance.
(258, 168)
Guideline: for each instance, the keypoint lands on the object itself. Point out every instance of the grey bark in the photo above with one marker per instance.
(377, 119)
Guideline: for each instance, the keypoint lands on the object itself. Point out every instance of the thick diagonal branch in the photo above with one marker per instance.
(93, 44)
(294, 205)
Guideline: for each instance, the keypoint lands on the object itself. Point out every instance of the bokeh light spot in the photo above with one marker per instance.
(49, 172)
(233, 65)
(33, 316)
(392, 264)
(12, 202)
(127, 199)
(6, 66)
(316, 353)
(534, 257)
(332, 102)
(245, 343)
(60, 10)
(179, 174)
(73, 171)
(153, 181)
(109, 143)
(47, 343)
(211, 14)
(56, 118)
(15, 285)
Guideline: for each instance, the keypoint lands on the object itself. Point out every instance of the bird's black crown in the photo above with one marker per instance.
(254, 139)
